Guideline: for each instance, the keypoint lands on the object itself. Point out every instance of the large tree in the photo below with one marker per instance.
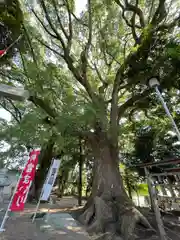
(107, 54)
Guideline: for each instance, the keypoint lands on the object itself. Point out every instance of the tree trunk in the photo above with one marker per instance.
(62, 183)
(128, 184)
(109, 209)
(44, 162)
(80, 174)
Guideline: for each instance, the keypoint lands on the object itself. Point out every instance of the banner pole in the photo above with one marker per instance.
(37, 207)
(9, 205)
(49, 209)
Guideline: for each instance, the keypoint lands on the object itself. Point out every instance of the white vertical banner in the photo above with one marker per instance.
(51, 178)
(48, 185)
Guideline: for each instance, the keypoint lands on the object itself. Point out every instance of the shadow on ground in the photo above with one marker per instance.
(62, 224)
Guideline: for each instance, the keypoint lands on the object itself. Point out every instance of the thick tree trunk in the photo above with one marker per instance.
(109, 209)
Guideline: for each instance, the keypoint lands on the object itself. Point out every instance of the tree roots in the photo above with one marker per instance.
(109, 218)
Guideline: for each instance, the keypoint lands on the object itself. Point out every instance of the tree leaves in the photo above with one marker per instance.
(74, 81)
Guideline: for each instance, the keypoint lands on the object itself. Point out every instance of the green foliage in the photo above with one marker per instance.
(11, 22)
(142, 189)
(173, 50)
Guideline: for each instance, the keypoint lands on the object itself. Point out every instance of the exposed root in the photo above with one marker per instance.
(144, 221)
(107, 236)
(129, 221)
(86, 217)
(105, 217)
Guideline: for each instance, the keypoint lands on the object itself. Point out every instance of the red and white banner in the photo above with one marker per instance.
(25, 182)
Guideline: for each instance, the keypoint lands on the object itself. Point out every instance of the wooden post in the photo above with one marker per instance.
(150, 194)
(159, 221)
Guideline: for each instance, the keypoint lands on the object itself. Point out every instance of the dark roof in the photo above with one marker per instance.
(161, 163)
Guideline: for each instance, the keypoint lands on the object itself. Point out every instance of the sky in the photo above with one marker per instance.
(5, 114)
(80, 5)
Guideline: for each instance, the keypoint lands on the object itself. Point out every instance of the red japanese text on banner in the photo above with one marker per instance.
(24, 184)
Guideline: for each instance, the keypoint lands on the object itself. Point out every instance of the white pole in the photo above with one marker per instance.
(37, 207)
(168, 112)
(49, 209)
(9, 205)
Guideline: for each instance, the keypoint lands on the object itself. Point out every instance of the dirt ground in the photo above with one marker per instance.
(20, 227)
(171, 225)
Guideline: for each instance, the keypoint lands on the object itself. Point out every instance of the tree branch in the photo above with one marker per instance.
(150, 12)
(160, 13)
(169, 26)
(17, 111)
(58, 36)
(78, 72)
(30, 45)
(43, 105)
(99, 74)
(130, 102)
(80, 77)
(70, 26)
(132, 8)
(89, 25)
(84, 54)
(114, 104)
(79, 20)
(59, 20)
(131, 60)
(136, 10)
(133, 28)
(50, 48)
(42, 24)
(14, 115)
